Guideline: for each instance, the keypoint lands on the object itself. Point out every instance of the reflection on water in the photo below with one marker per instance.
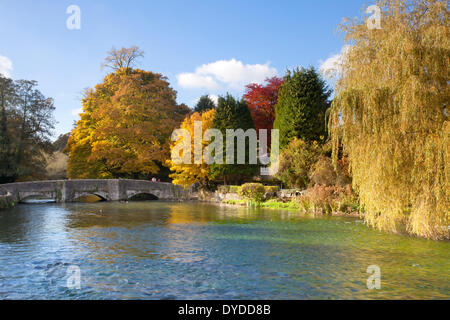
(159, 250)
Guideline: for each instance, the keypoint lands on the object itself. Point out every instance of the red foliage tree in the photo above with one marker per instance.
(261, 100)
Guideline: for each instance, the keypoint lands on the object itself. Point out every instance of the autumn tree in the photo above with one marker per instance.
(186, 174)
(7, 164)
(205, 103)
(391, 115)
(261, 100)
(233, 114)
(301, 107)
(125, 128)
(26, 123)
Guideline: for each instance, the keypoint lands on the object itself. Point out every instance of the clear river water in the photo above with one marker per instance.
(163, 250)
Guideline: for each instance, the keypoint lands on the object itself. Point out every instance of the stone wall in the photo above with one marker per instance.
(208, 196)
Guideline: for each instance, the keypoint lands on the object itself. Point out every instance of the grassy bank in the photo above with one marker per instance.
(292, 205)
(320, 199)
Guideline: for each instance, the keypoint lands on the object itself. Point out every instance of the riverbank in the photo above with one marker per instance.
(317, 201)
(289, 206)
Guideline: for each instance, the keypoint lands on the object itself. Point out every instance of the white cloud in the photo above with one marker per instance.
(5, 66)
(232, 74)
(214, 98)
(76, 112)
(332, 67)
(193, 80)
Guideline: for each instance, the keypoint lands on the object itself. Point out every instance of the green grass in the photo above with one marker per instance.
(270, 204)
(274, 204)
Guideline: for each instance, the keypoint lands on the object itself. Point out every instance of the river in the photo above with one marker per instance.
(163, 250)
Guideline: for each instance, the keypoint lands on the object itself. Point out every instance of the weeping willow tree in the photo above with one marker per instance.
(390, 114)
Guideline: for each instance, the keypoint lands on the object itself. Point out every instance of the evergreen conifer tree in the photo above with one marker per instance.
(233, 114)
(302, 105)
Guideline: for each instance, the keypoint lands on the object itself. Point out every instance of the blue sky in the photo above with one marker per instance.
(203, 47)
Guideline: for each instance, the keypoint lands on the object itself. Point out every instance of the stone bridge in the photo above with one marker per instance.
(106, 189)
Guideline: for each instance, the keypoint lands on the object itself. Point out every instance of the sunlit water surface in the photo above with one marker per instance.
(160, 250)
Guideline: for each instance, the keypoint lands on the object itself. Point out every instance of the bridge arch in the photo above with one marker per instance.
(25, 198)
(142, 196)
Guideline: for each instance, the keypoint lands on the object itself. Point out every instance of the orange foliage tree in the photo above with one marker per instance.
(188, 174)
(125, 127)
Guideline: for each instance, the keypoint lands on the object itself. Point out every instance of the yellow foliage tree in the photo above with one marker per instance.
(391, 114)
(125, 127)
(188, 174)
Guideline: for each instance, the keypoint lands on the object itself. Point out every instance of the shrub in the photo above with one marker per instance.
(296, 161)
(329, 199)
(323, 173)
(253, 192)
(270, 192)
(234, 189)
(343, 172)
